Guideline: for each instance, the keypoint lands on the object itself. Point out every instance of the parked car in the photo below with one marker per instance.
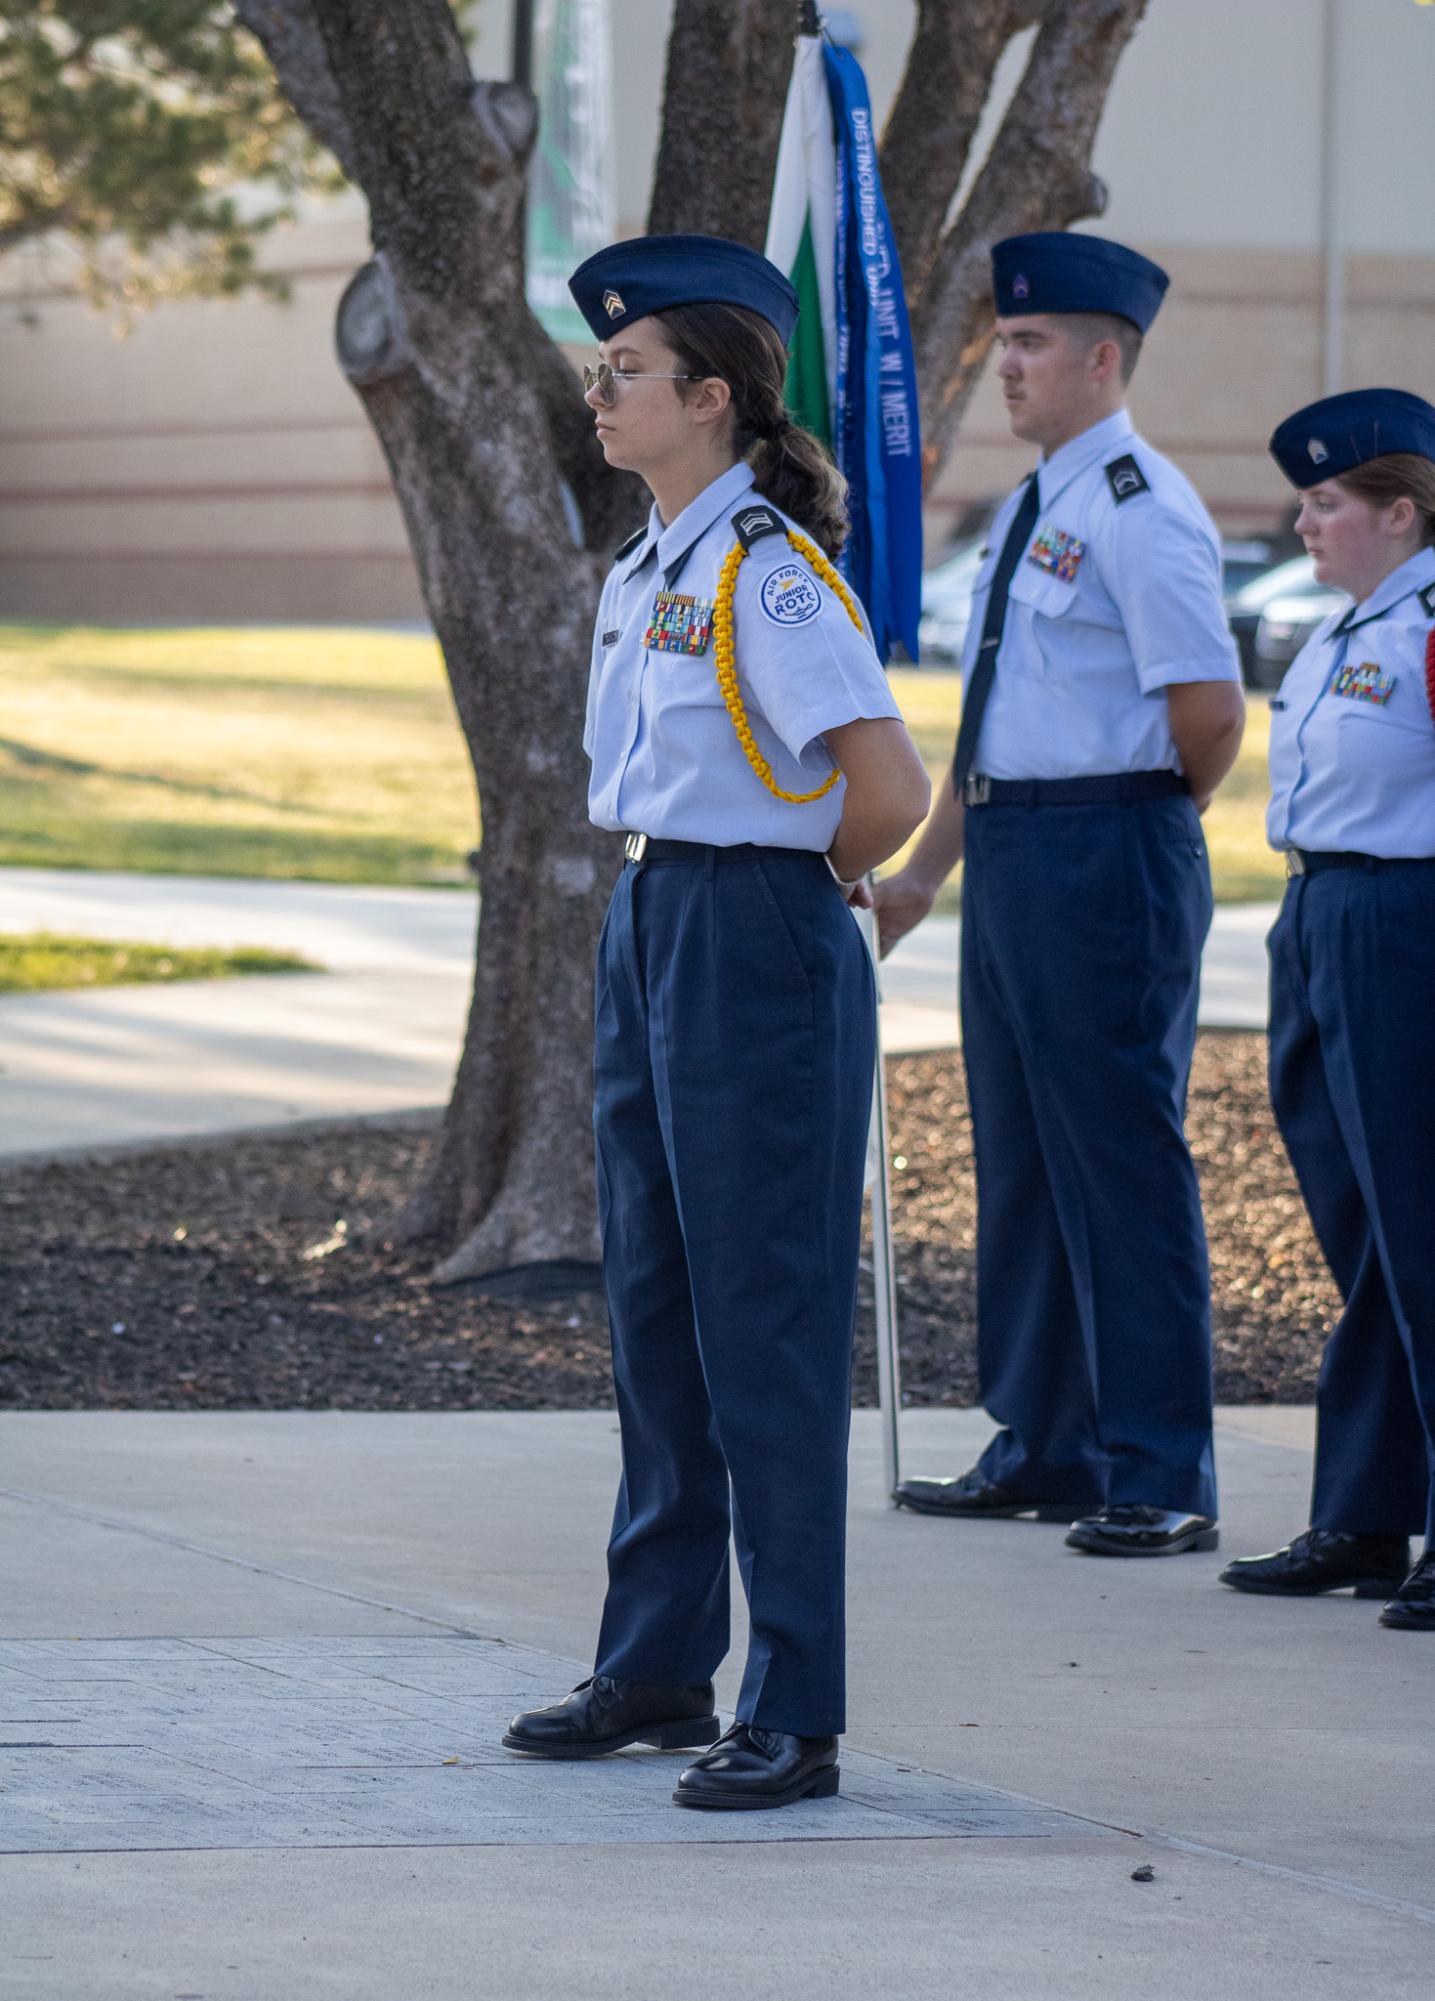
(947, 604)
(1285, 626)
(1289, 584)
(1244, 558)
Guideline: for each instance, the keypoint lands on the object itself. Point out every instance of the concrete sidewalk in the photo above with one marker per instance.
(253, 1666)
(379, 1032)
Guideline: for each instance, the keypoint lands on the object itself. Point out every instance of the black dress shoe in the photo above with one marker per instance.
(977, 1498)
(753, 1767)
(603, 1714)
(1324, 1560)
(1413, 1606)
(1130, 1528)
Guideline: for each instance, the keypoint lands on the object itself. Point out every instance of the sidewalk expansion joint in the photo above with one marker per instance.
(344, 1742)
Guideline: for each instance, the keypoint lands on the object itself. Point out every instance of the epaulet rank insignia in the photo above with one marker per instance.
(1126, 479)
(752, 523)
(626, 548)
(1427, 598)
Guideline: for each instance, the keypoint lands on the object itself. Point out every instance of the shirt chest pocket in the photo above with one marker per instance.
(1039, 621)
(681, 623)
(1366, 694)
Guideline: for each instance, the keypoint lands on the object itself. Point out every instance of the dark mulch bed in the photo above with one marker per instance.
(214, 1277)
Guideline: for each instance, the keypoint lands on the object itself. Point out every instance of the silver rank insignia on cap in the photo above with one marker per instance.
(1021, 286)
(1317, 450)
(613, 304)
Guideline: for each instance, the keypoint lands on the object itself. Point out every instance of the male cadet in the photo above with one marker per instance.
(1102, 708)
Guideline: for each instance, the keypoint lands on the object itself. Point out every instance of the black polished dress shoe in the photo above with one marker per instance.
(1324, 1560)
(603, 1714)
(753, 1767)
(975, 1497)
(1413, 1606)
(1130, 1528)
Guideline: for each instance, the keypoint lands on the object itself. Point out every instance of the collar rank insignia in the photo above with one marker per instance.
(1126, 479)
(613, 304)
(679, 624)
(1364, 683)
(1058, 552)
(626, 548)
(1427, 598)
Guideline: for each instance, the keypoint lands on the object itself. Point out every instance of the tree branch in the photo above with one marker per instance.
(1037, 176)
(934, 117)
(728, 68)
(288, 33)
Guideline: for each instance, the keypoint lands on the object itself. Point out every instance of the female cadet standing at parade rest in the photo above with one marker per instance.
(743, 735)
(1353, 989)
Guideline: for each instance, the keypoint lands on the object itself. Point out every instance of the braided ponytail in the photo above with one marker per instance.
(789, 466)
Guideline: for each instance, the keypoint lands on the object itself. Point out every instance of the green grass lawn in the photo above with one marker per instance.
(42, 962)
(327, 753)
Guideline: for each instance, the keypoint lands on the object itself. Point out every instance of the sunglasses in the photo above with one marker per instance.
(604, 381)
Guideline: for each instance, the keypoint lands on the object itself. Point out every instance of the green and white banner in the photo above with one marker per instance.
(572, 194)
(801, 232)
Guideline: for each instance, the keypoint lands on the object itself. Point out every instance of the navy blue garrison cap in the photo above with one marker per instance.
(647, 274)
(1059, 271)
(1342, 432)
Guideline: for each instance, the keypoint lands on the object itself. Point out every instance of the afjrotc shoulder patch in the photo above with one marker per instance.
(680, 623)
(1058, 552)
(1363, 683)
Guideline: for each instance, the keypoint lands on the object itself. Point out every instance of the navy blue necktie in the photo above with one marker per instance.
(979, 681)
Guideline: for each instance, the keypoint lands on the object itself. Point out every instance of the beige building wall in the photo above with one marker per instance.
(215, 465)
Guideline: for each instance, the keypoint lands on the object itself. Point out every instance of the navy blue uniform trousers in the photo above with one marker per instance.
(1082, 929)
(1353, 1084)
(735, 1044)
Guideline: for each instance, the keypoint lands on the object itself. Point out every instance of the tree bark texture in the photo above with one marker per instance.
(510, 509)
(729, 62)
(934, 117)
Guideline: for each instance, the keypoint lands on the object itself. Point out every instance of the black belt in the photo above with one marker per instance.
(647, 848)
(1302, 861)
(1114, 790)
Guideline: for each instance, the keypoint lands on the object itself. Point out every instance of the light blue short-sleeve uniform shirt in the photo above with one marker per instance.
(666, 759)
(1352, 734)
(1116, 597)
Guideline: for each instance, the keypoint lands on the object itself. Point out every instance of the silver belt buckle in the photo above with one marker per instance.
(1295, 863)
(635, 847)
(977, 791)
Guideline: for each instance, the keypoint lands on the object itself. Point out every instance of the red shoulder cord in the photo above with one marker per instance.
(1430, 674)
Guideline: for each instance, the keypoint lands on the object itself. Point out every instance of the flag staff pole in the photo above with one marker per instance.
(884, 1269)
(523, 42)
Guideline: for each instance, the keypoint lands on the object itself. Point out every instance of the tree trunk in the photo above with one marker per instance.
(513, 515)
(495, 466)
(728, 68)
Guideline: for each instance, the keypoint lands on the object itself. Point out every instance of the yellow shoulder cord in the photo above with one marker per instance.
(725, 653)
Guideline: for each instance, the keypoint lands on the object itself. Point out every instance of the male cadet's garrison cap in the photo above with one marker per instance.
(648, 274)
(1341, 432)
(1059, 271)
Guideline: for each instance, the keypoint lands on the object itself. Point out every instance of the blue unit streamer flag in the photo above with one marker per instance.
(852, 377)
